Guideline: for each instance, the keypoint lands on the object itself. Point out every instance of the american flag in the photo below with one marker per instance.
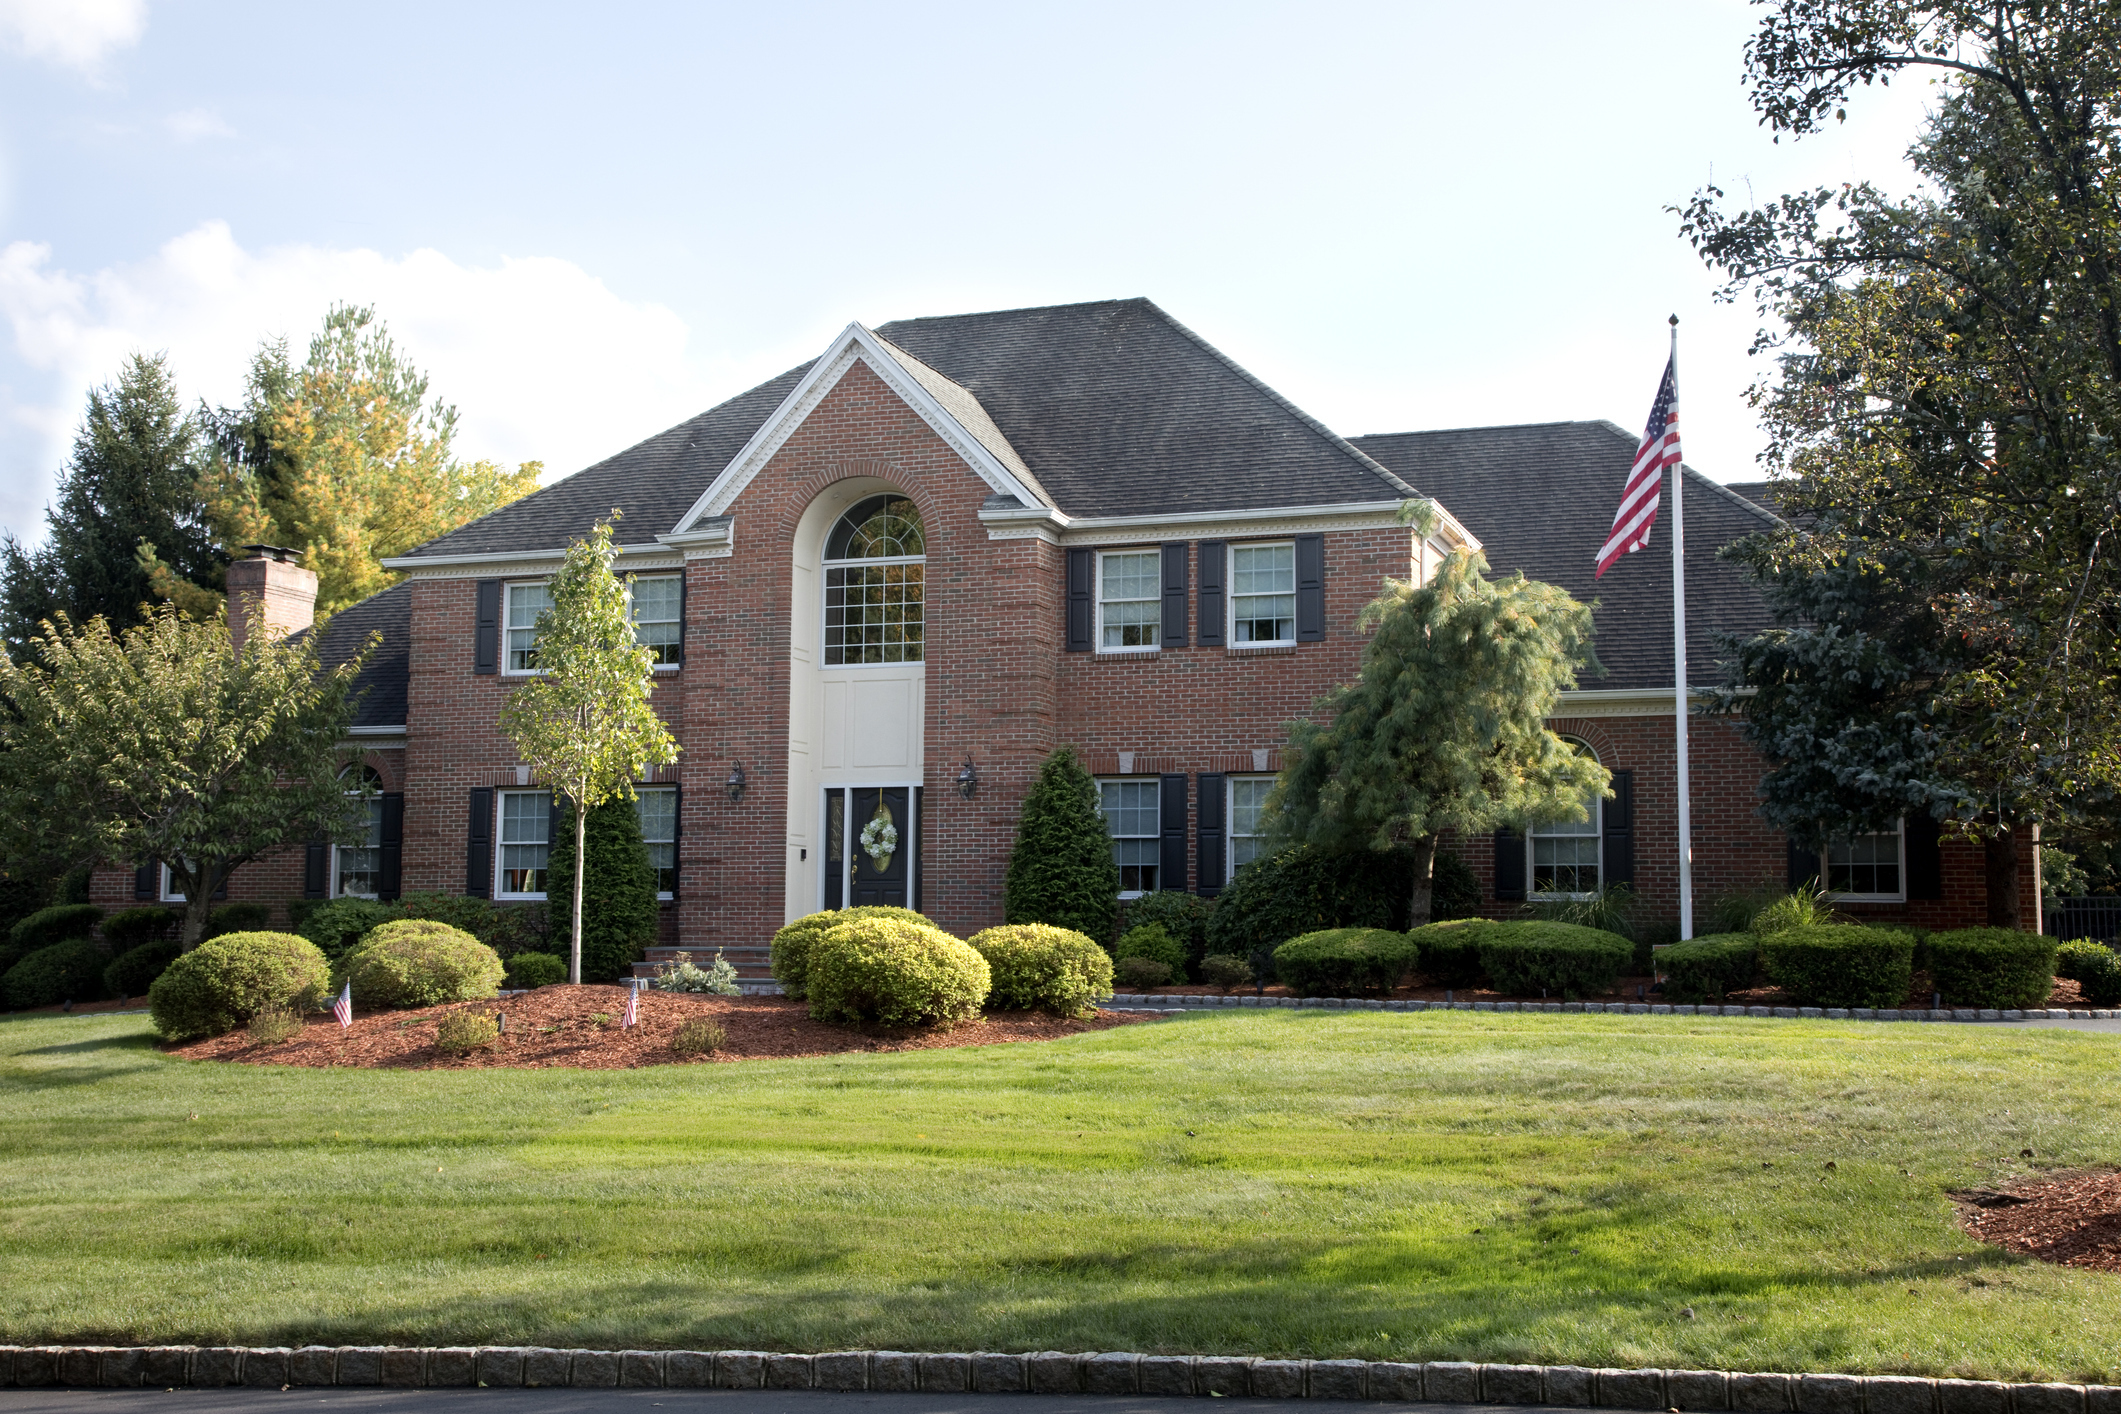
(342, 1006)
(1659, 449)
(633, 1003)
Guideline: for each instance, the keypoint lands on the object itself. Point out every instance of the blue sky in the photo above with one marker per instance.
(589, 222)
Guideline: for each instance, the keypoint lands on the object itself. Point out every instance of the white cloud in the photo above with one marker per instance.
(542, 360)
(74, 34)
(195, 123)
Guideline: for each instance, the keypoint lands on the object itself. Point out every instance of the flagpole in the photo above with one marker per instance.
(1679, 679)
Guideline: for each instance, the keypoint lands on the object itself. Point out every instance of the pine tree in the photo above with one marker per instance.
(618, 891)
(1061, 871)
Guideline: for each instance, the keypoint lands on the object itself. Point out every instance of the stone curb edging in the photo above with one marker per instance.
(1045, 1372)
(1138, 1001)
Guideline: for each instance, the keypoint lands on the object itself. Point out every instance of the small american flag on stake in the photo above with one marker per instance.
(342, 1006)
(633, 1003)
(1659, 449)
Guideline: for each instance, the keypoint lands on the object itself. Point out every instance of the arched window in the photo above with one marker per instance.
(875, 564)
(357, 869)
(1565, 853)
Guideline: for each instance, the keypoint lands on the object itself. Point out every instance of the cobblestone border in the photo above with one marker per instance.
(1045, 1372)
(1137, 1001)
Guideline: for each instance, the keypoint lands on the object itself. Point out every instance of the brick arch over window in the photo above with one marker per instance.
(805, 492)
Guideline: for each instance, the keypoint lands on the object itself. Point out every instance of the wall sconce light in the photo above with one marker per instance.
(736, 783)
(968, 780)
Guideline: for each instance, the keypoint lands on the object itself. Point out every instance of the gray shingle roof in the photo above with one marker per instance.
(381, 687)
(1541, 498)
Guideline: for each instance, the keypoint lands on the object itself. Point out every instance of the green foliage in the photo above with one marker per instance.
(700, 1036)
(1304, 889)
(336, 927)
(132, 972)
(507, 928)
(57, 924)
(1445, 728)
(1610, 909)
(71, 971)
(584, 723)
(1450, 951)
(1841, 965)
(889, 972)
(1141, 974)
(1061, 870)
(2073, 959)
(527, 971)
(792, 946)
(225, 981)
(1567, 958)
(1038, 967)
(1705, 969)
(462, 1032)
(1991, 967)
(236, 918)
(130, 928)
(2099, 979)
(619, 910)
(1223, 970)
(718, 979)
(1151, 941)
(1808, 907)
(274, 1024)
(416, 962)
(1734, 912)
(1346, 962)
(1184, 916)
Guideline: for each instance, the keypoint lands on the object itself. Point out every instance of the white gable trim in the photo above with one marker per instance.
(855, 344)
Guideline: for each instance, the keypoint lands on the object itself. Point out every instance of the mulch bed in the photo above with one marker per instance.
(578, 1027)
(2072, 1220)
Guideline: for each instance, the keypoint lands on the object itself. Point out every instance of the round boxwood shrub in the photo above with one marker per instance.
(1705, 969)
(890, 972)
(1346, 962)
(71, 971)
(2099, 978)
(1303, 889)
(1038, 967)
(236, 918)
(60, 923)
(1152, 941)
(1450, 952)
(1991, 967)
(2074, 959)
(529, 970)
(792, 945)
(222, 983)
(133, 971)
(415, 962)
(338, 926)
(1841, 965)
(1540, 957)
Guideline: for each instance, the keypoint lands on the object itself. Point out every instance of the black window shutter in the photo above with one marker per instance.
(316, 869)
(683, 584)
(1210, 867)
(478, 848)
(1171, 819)
(147, 880)
(1619, 848)
(1804, 866)
(557, 819)
(1081, 571)
(1213, 556)
(486, 641)
(1509, 865)
(393, 846)
(1925, 858)
(1310, 588)
(1175, 595)
(677, 837)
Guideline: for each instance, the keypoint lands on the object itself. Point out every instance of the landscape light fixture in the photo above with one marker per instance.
(968, 780)
(736, 783)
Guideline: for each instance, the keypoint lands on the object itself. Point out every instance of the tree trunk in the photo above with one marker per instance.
(1999, 856)
(198, 902)
(1424, 882)
(574, 932)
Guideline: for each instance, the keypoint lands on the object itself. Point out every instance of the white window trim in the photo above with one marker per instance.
(1899, 833)
(331, 890)
(1158, 837)
(633, 579)
(823, 608)
(1097, 639)
(500, 814)
(166, 886)
(507, 589)
(1230, 597)
(661, 895)
(1230, 836)
(1531, 890)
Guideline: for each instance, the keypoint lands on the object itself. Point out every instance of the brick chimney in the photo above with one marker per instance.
(270, 594)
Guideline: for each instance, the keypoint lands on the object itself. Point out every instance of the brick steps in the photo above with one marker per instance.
(753, 963)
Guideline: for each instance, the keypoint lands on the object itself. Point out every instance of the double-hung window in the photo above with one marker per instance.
(1868, 868)
(525, 843)
(1263, 593)
(357, 869)
(1130, 606)
(1132, 818)
(1565, 854)
(1248, 801)
(525, 603)
(658, 809)
(653, 602)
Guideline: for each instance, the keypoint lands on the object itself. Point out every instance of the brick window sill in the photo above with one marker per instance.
(1272, 650)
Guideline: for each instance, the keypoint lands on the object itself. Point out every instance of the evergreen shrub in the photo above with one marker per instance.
(1450, 951)
(1303, 889)
(1841, 965)
(1038, 967)
(235, 918)
(1568, 958)
(1221, 969)
(338, 926)
(619, 910)
(1150, 940)
(71, 971)
(57, 924)
(888, 972)
(129, 928)
(1991, 967)
(1141, 974)
(507, 928)
(2099, 979)
(792, 945)
(1184, 916)
(1346, 962)
(1061, 870)
(462, 1032)
(417, 962)
(2071, 959)
(527, 971)
(1706, 969)
(222, 983)
(133, 971)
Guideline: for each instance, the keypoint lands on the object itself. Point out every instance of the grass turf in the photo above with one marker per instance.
(1434, 1186)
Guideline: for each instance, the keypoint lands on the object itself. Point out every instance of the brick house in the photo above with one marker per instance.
(890, 581)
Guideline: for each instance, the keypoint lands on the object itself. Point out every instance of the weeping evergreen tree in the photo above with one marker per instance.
(1061, 871)
(618, 890)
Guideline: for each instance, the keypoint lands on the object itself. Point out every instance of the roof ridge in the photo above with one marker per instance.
(1500, 427)
(1020, 309)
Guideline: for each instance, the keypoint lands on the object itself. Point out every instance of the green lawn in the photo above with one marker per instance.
(1427, 1186)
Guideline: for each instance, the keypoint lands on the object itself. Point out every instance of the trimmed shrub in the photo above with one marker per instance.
(1450, 952)
(274, 1024)
(1705, 969)
(889, 972)
(1991, 967)
(1038, 967)
(793, 944)
(1220, 969)
(1523, 958)
(2099, 980)
(235, 918)
(1140, 974)
(527, 971)
(222, 983)
(71, 971)
(60, 923)
(1303, 889)
(1841, 965)
(1184, 916)
(699, 1037)
(416, 962)
(2072, 959)
(619, 910)
(130, 928)
(507, 928)
(462, 1032)
(337, 927)
(1061, 870)
(1151, 941)
(1346, 962)
(133, 971)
